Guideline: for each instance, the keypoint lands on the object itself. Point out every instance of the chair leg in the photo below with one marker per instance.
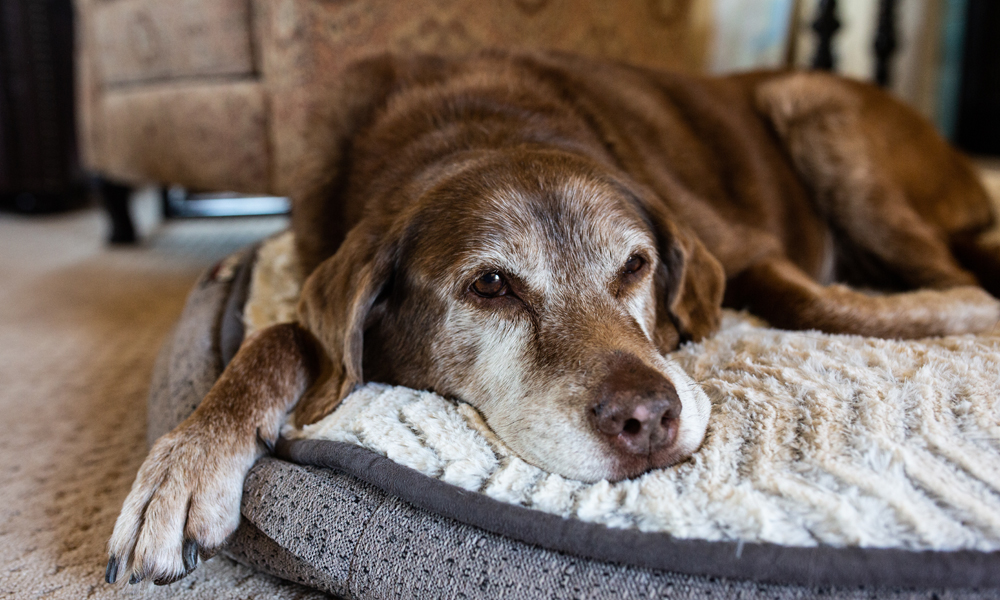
(115, 197)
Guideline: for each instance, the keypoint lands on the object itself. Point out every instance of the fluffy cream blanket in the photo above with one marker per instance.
(813, 438)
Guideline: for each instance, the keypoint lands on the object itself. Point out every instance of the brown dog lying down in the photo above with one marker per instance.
(531, 233)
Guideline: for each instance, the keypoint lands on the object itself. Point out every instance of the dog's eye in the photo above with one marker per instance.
(633, 265)
(490, 285)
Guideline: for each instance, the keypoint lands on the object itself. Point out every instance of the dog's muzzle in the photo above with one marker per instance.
(637, 414)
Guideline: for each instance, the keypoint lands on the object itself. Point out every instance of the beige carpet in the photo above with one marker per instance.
(80, 325)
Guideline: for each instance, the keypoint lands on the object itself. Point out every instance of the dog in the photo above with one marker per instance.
(531, 233)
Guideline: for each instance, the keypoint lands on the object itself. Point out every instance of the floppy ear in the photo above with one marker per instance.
(335, 303)
(690, 285)
(337, 111)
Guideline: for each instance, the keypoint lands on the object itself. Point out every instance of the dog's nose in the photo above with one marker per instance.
(638, 425)
(637, 408)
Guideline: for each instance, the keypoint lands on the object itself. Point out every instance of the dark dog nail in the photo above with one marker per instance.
(168, 580)
(111, 574)
(134, 579)
(267, 444)
(190, 555)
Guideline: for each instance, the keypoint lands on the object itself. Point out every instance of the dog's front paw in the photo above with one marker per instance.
(184, 503)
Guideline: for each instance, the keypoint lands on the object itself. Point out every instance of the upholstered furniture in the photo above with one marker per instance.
(215, 94)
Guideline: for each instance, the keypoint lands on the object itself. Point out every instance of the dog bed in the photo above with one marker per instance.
(834, 465)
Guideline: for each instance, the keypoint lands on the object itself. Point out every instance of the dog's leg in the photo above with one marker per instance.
(186, 497)
(875, 217)
(780, 292)
(837, 153)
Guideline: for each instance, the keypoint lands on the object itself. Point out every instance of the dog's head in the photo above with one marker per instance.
(542, 290)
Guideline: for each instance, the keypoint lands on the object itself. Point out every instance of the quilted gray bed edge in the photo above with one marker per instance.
(356, 525)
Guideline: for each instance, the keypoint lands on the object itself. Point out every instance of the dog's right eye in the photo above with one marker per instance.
(490, 285)
(633, 265)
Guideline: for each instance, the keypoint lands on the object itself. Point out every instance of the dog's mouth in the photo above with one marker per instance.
(636, 417)
(631, 458)
(640, 417)
(630, 465)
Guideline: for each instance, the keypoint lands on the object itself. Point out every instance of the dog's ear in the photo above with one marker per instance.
(319, 167)
(690, 283)
(335, 303)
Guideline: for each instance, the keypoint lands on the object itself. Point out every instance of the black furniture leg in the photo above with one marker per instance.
(115, 197)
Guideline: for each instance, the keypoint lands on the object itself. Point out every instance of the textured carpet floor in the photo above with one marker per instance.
(80, 325)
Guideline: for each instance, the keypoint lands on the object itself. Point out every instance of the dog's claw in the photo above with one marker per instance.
(267, 444)
(190, 555)
(134, 579)
(111, 574)
(167, 580)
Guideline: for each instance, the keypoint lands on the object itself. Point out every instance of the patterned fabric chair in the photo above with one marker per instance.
(215, 94)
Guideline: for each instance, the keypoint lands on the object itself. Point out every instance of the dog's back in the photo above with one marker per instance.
(753, 163)
(699, 143)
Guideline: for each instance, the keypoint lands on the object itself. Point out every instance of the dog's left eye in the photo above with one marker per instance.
(490, 285)
(633, 265)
